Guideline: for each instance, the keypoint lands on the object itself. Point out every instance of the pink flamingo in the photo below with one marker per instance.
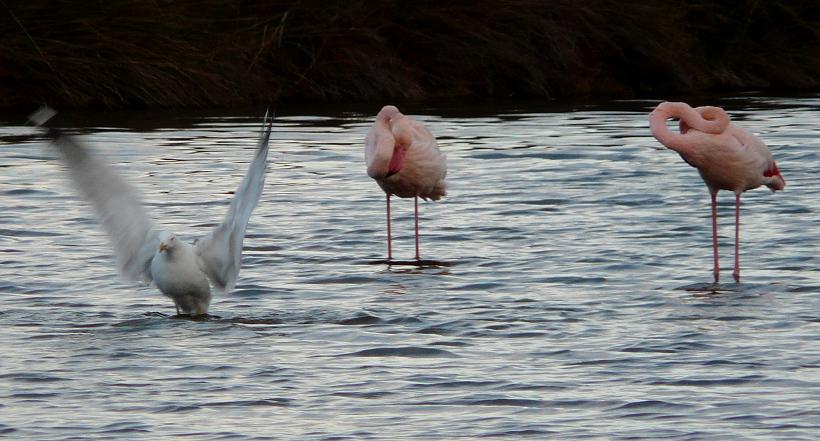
(727, 157)
(404, 159)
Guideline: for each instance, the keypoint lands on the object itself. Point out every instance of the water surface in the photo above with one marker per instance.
(556, 309)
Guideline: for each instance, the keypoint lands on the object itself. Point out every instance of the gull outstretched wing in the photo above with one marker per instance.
(117, 204)
(220, 252)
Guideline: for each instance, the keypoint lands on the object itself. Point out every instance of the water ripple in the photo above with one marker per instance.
(409, 351)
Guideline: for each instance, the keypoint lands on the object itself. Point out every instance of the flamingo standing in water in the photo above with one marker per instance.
(404, 159)
(727, 157)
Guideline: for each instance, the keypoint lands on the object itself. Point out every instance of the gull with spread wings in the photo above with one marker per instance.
(184, 272)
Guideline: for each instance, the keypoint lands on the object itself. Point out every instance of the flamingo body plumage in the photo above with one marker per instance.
(727, 157)
(403, 157)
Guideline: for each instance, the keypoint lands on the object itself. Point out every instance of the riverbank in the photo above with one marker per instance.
(216, 53)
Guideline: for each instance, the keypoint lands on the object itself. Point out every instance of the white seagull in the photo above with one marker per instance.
(181, 271)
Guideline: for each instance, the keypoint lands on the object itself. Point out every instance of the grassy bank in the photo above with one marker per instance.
(129, 53)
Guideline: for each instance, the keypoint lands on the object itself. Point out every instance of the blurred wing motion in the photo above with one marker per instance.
(220, 252)
(117, 204)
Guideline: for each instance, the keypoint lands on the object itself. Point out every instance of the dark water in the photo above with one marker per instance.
(556, 309)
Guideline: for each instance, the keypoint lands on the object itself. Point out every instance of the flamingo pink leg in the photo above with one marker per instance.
(736, 272)
(389, 244)
(714, 236)
(416, 199)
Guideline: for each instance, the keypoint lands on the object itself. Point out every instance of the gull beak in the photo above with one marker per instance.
(163, 247)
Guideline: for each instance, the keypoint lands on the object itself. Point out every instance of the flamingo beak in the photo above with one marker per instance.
(163, 247)
(397, 161)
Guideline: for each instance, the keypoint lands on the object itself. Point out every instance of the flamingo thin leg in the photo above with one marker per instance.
(714, 236)
(736, 271)
(389, 244)
(416, 199)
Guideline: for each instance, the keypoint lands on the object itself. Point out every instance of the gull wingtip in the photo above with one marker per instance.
(267, 123)
(42, 115)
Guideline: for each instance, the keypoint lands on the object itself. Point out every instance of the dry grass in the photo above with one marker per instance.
(129, 53)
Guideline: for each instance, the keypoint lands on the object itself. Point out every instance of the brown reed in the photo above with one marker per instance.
(159, 53)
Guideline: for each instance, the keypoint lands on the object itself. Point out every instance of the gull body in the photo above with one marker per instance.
(178, 275)
(727, 157)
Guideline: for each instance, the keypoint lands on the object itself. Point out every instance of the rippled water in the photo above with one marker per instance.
(557, 309)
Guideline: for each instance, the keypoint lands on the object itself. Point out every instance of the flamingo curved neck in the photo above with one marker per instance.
(707, 120)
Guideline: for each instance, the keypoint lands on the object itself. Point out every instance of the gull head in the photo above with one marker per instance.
(167, 241)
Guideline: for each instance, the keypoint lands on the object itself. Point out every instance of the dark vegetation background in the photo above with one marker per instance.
(214, 53)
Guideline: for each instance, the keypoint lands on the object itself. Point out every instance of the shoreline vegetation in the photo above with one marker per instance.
(220, 53)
